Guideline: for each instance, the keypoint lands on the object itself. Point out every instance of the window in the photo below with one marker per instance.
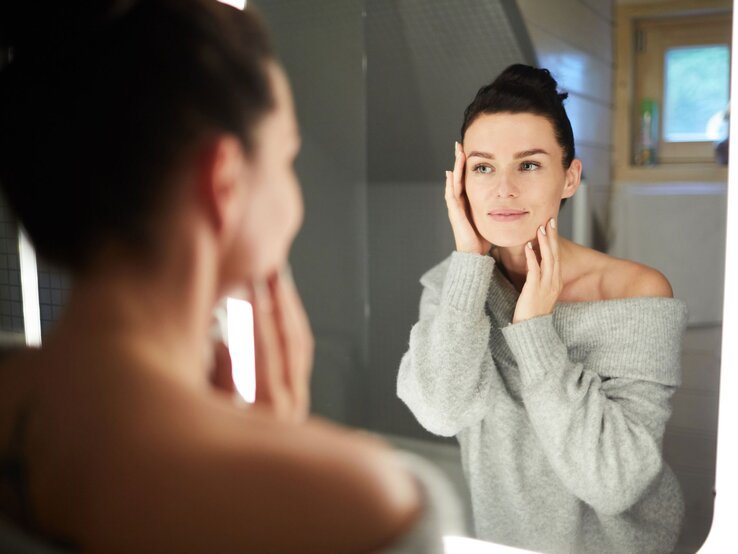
(682, 81)
(696, 89)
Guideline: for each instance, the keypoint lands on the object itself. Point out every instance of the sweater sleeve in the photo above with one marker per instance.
(445, 375)
(602, 436)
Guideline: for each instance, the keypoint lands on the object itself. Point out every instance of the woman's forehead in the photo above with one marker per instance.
(512, 132)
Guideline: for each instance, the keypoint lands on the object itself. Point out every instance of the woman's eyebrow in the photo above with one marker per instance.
(523, 154)
(480, 155)
(533, 152)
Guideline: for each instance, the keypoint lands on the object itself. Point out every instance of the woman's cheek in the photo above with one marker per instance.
(262, 234)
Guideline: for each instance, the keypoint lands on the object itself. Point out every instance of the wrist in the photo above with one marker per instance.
(472, 249)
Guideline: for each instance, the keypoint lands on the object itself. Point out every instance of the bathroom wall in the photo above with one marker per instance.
(11, 305)
(574, 39)
(321, 46)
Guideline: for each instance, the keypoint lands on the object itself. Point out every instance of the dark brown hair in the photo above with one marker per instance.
(525, 89)
(100, 102)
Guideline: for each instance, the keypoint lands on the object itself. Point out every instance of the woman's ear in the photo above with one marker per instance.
(221, 173)
(573, 179)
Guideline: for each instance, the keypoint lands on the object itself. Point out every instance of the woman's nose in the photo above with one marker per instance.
(507, 187)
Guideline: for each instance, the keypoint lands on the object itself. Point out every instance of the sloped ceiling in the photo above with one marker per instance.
(425, 61)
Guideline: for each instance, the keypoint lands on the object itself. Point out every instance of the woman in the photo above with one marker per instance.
(148, 149)
(552, 364)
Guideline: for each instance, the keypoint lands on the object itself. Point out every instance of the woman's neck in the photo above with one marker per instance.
(512, 262)
(157, 318)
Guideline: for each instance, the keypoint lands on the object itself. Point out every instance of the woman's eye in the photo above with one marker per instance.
(483, 169)
(529, 166)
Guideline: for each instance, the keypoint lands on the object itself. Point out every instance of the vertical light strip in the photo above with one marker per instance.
(723, 536)
(240, 332)
(29, 290)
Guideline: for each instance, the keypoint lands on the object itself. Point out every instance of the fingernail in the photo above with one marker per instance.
(553, 223)
(530, 245)
(542, 229)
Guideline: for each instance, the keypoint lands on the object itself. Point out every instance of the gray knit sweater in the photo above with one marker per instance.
(560, 418)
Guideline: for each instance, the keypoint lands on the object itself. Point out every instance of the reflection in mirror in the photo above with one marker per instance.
(424, 61)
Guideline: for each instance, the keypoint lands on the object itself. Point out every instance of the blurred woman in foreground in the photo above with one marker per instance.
(148, 149)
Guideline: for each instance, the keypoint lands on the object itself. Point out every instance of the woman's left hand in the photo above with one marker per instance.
(543, 283)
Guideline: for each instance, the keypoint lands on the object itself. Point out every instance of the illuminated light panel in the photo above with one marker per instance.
(29, 290)
(240, 331)
(240, 4)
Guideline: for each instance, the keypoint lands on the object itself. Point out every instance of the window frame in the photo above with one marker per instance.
(624, 132)
(655, 36)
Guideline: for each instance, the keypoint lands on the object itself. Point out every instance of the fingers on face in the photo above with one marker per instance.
(298, 342)
(553, 234)
(268, 352)
(545, 248)
(530, 258)
(294, 341)
(550, 260)
(449, 192)
(458, 173)
(456, 205)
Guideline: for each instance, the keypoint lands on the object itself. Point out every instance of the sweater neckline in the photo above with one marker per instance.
(508, 298)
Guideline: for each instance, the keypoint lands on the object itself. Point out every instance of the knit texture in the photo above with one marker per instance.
(560, 418)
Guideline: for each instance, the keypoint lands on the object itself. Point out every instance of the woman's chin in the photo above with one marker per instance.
(509, 241)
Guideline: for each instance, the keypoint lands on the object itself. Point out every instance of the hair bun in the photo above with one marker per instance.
(519, 75)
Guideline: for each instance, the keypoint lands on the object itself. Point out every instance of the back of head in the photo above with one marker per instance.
(525, 89)
(100, 103)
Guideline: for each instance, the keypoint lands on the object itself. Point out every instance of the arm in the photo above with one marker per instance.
(602, 437)
(446, 374)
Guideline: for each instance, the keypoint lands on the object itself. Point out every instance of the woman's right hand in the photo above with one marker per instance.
(284, 348)
(466, 235)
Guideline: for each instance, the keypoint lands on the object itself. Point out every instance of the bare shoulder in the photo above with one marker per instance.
(259, 484)
(629, 279)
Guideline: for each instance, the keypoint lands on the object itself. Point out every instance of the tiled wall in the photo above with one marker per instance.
(53, 289)
(11, 305)
(53, 284)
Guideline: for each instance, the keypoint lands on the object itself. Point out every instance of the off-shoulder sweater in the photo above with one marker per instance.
(560, 418)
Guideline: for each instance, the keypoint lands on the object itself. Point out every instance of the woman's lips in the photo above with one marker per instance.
(507, 215)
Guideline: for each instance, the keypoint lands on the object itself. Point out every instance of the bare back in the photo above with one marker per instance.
(121, 459)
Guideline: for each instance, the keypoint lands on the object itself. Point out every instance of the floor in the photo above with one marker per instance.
(689, 441)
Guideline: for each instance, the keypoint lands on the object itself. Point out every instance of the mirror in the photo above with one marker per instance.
(380, 87)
